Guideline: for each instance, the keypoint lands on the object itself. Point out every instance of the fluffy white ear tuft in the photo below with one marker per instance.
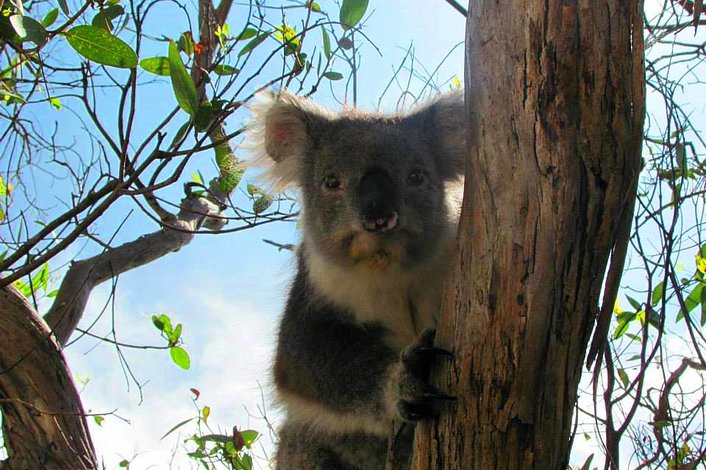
(279, 135)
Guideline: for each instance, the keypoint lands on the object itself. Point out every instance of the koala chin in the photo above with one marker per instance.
(379, 214)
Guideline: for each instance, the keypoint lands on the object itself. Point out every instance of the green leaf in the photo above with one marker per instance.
(261, 204)
(50, 17)
(315, 7)
(327, 43)
(223, 69)
(180, 357)
(41, 279)
(205, 413)
(99, 420)
(100, 46)
(249, 436)
(352, 12)
(657, 293)
(635, 338)
(333, 75)
(691, 301)
(174, 337)
(184, 88)
(204, 116)
(253, 190)
(247, 462)
(167, 322)
(635, 304)
(703, 307)
(623, 324)
(156, 65)
(180, 135)
(157, 322)
(29, 29)
(177, 426)
(23, 288)
(253, 44)
(64, 7)
(247, 34)
(124, 464)
(623, 377)
(53, 293)
(186, 44)
(54, 101)
(104, 18)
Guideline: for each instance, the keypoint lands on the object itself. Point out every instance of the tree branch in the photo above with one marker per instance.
(83, 276)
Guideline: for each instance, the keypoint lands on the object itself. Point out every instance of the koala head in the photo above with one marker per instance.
(372, 186)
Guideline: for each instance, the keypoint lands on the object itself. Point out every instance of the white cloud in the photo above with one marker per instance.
(230, 343)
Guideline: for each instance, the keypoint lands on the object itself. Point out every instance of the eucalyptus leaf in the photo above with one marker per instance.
(657, 293)
(253, 44)
(352, 12)
(104, 18)
(100, 46)
(180, 357)
(184, 88)
(29, 29)
(203, 117)
(223, 70)
(247, 34)
(156, 65)
(333, 75)
(327, 43)
(63, 4)
(691, 301)
(50, 17)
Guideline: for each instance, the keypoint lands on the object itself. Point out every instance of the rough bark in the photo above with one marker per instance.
(43, 422)
(555, 96)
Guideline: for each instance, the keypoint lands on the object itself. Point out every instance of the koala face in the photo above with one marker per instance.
(373, 187)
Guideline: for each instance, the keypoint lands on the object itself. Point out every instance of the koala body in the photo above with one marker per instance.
(378, 237)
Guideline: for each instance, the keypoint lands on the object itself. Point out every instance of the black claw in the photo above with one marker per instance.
(439, 396)
(434, 351)
(416, 411)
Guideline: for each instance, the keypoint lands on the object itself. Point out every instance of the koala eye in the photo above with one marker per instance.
(332, 182)
(415, 177)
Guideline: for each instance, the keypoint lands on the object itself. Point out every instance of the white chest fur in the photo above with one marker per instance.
(405, 301)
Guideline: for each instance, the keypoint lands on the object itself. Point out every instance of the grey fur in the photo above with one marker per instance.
(370, 272)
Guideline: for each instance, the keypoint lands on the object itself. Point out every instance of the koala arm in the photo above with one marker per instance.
(331, 371)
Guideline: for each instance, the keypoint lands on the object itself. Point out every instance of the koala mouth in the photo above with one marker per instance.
(376, 249)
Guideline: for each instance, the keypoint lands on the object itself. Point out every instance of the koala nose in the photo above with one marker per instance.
(377, 202)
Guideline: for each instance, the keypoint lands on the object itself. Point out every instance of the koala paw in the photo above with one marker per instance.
(416, 399)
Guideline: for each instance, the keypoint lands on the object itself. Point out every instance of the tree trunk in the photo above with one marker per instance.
(43, 422)
(555, 95)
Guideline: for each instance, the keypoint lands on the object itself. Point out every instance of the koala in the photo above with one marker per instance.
(355, 340)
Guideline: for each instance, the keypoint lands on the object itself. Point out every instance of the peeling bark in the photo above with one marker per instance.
(555, 95)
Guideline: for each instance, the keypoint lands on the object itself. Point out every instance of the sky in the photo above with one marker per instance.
(227, 290)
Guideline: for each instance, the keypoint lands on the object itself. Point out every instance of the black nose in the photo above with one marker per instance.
(377, 204)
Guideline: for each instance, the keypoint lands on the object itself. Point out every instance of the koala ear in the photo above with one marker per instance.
(280, 134)
(443, 123)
